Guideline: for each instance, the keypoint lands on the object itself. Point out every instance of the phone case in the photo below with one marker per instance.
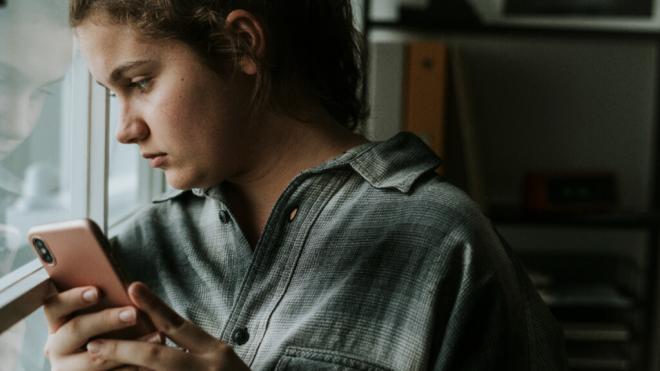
(81, 257)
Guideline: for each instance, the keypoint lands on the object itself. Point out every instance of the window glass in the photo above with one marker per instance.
(35, 56)
(22, 346)
(124, 189)
(35, 104)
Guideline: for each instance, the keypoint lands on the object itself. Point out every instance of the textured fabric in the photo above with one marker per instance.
(384, 266)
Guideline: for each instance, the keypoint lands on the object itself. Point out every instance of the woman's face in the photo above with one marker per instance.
(35, 54)
(185, 118)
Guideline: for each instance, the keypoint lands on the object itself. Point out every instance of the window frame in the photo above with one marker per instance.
(25, 289)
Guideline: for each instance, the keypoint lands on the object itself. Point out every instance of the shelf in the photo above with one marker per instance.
(516, 30)
(597, 332)
(608, 318)
(619, 220)
(603, 297)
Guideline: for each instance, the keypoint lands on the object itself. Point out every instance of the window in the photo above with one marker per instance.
(58, 160)
(131, 182)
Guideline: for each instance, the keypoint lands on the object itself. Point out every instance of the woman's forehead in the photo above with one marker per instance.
(108, 46)
(40, 52)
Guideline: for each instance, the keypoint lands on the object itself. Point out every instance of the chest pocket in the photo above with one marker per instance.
(299, 359)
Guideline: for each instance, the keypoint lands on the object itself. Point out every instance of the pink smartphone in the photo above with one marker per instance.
(76, 253)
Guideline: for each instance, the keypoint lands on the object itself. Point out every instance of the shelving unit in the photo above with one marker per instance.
(626, 325)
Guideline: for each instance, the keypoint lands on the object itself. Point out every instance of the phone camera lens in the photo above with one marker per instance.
(43, 251)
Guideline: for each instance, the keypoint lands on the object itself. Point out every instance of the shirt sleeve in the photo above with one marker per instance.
(496, 320)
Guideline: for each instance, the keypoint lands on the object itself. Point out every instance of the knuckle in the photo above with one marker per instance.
(111, 317)
(109, 348)
(98, 362)
(224, 349)
(221, 354)
(50, 308)
(74, 325)
(153, 352)
(173, 328)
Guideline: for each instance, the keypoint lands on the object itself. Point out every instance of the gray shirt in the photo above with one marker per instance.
(369, 261)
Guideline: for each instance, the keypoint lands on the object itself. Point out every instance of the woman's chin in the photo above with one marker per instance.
(178, 180)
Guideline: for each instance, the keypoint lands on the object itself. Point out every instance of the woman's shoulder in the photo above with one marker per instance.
(431, 203)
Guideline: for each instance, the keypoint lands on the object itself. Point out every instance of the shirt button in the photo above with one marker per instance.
(240, 336)
(293, 214)
(224, 216)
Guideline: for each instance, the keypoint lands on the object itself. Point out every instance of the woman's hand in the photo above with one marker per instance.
(68, 335)
(202, 351)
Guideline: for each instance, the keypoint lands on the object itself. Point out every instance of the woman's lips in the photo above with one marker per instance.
(155, 159)
(8, 145)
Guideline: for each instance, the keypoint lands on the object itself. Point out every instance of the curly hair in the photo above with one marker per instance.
(311, 44)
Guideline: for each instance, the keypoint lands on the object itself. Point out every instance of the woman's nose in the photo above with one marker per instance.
(131, 127)
(18, 115)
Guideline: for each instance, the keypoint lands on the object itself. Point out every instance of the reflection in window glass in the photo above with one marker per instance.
(35, 56)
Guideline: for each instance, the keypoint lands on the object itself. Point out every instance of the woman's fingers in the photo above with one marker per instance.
(58, 307)
(167, 321)
(75, 333)
(147, 355)
(84, 361)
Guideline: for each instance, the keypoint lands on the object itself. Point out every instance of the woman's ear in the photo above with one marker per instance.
(249, 33)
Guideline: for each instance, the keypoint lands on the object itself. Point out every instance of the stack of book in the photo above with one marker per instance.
(597, 313)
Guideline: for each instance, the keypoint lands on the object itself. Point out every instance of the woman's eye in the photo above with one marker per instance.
(141, 85)
(46, 90)
(43, 92)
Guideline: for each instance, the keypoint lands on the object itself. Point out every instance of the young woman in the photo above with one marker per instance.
(292, 243)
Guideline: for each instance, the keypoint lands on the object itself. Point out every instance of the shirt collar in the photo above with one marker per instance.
(396, 163)
(9, 181)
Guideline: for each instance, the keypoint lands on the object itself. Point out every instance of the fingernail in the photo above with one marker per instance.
(155, 338)
(94, 346)
(90, 295)
(127, 315)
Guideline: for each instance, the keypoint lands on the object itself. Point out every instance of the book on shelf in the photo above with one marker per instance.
(408, 91)
(425, 93)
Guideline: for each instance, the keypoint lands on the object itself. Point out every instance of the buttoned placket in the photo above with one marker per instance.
(274, 261)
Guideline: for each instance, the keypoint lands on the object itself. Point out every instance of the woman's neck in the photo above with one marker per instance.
(284, 148)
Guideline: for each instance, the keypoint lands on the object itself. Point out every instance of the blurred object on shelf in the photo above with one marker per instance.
(594, 295)
(605, 8)
(569, 192)
(440, 12)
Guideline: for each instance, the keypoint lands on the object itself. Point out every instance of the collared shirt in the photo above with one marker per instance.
(369, 261)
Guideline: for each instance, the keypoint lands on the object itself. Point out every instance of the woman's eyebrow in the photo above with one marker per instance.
(119, 72)
(13, 73)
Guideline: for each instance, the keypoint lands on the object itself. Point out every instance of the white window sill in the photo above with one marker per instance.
(22, 292)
